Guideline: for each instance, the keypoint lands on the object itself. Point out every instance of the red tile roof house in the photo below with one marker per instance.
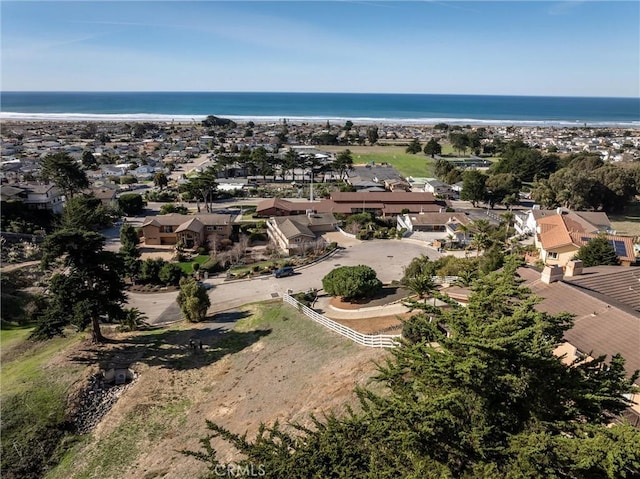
(560, 236)
(380, 204)
(191, 230)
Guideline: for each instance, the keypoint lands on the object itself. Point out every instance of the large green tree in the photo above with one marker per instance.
(160, 180)
(131, 204)
(502, 187)
(86, 288)
(343, 163)
(474, 187)
(85, 212)
(525, 162)
(414, 147)
(487, 398)
(598, 251)
(204, 185)
(432, 148)
(64, 172)
(352, 282)
(129, 249)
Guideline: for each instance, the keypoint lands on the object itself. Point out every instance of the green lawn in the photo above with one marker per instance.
(187, 266)
(418, 165)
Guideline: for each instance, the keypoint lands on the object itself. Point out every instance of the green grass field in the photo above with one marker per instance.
(627, 223)
(418, 165)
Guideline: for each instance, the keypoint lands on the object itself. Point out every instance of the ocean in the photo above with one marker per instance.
(318, 107)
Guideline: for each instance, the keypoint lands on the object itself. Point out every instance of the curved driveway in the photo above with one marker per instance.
(387, 257)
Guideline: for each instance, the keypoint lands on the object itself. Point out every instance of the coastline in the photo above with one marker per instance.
(418, 122)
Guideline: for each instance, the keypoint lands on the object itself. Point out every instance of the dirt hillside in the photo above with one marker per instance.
(275, 365)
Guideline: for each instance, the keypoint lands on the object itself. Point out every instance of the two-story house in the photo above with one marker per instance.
(190, 230)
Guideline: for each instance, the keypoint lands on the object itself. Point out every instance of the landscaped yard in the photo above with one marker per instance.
(187, 266)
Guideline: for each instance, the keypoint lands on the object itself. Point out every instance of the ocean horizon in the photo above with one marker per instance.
(383, 108)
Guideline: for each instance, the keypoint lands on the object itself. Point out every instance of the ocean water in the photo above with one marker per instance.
(316, 107)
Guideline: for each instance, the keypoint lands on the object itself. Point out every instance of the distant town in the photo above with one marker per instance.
(206, 253)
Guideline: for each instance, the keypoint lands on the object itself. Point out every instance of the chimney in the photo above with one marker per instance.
(551, 274)
(574, 268)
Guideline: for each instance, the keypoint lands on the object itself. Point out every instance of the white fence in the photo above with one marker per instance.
(377, 341)
(344, 233)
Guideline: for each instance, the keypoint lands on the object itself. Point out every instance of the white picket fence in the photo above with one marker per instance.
(372, 341)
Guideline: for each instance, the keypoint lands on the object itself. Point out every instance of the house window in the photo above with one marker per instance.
(210, 228)
(215, 228)
(167, 229)
(552, 255)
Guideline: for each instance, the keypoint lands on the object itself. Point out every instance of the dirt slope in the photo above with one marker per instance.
(276, 365)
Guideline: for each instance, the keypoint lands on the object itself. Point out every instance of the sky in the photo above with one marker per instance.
(560, 48)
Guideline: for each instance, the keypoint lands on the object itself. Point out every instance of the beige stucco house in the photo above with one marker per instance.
(191, 230)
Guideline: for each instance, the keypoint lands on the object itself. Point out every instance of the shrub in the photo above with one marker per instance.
(211, 266)
(363, 235)
(170, 274)
(351, 282)
(256, 237)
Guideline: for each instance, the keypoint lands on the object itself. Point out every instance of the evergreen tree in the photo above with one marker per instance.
(193, 300)
(414, 147)
(129, 249)
(160, 180)
(85, 212)
(474, 187)
(88, 289)
(597, 251)
(64, 172)
(432, 148)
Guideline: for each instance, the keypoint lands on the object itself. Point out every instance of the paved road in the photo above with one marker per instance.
(387, 257)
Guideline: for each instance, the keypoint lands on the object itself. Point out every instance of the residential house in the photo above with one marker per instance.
(106, 195)
(190, 230)
(439, 188)
(559, 237)
(445, 223)
(602, 325)
(35, 196)
(526, 223)
(606, 314)
(291, 234)
(144, 172)
(379, 203)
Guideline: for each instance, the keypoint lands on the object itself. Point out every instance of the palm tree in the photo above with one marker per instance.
(480, 241)
(421, 285)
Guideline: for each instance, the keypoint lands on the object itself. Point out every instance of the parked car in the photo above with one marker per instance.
(282, 272)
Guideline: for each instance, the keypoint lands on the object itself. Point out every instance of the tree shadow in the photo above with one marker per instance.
(228, 317)
(171, 349)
